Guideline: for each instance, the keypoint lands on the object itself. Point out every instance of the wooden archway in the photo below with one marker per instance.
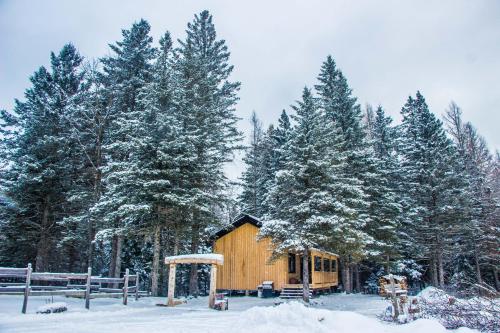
(210, 259)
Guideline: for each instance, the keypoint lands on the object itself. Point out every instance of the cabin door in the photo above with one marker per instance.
(302, 268)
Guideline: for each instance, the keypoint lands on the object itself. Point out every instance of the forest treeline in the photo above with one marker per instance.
(117, 162)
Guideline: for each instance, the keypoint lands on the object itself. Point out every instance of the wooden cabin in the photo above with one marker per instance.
(247, 261)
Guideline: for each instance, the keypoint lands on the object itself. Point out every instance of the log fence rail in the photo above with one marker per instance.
(88, 287)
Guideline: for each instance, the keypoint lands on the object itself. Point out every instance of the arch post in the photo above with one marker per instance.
(171, 285)
(213, 285)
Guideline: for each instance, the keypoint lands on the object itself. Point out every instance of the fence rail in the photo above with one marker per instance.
(87, 287)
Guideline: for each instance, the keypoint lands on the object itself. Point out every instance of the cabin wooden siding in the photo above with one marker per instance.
(246, 261)
(324, 279)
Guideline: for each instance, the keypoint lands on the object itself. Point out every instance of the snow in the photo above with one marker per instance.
(333, 313)
(52, 307)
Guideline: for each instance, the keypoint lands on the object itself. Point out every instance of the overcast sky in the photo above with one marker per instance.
(449, 50)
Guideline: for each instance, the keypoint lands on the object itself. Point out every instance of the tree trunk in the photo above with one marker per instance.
(43, 246)
(478, 268)
(357, 278)
(434, 278)
(346, 276)
(118, 258)
(156, 261)
(305, 275)
(112, 261)
(193, 274)
(495, 275)
(97, 196)
(440, 268)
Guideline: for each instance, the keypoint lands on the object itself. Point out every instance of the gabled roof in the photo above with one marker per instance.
(238, 222)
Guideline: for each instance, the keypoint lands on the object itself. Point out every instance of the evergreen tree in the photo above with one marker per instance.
(251, 198)
(385, 202)
(37, 172)
(126, 73)
(313, 200)
(205, 107)
(433, 182)
(341, 108)
(473, 234)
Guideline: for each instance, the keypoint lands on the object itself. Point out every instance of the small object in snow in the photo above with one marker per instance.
(52, 308)
(221, 302)
(176, 302)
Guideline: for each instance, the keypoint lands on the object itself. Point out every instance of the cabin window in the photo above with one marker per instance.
(291, 263)
(334, 265)
(326, 265)
(317, 264)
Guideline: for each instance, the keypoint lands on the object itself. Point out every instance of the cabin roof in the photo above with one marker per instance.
(238, 222)
(247, 218)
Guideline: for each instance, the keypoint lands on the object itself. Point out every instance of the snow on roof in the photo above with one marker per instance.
(210, 256)
(201, 258)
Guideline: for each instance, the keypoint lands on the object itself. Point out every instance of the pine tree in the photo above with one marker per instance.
(37, 171)
(126, 73)
(313, 200)
(385, 208)
(341, 108)
(474, 232)
(433, 182)
(205, 101)
(161, 156)
(252, 195)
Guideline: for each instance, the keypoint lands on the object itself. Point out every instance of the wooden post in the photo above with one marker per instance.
(125, 287)
(27, 288)
(213, 285)
(394, 298)
(171, 285)
(137, 286)
(87, 288)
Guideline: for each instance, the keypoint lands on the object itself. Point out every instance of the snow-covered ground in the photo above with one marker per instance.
(335, 314)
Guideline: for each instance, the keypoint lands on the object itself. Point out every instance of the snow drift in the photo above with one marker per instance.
(294, 317)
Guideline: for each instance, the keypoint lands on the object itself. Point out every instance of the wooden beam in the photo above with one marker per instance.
(171, 285)
(27, 288)
(213, 284)
(58, 276)
(107, 280)
(208, 258)
(194, 261)
(13, 271)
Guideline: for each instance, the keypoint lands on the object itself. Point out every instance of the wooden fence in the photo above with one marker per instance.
(82, 285)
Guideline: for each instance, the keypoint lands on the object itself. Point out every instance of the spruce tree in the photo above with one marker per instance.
(385, 208)
(205, 102)
(252, 194)
(313, 200)
(434, 184)
(126, 73)
(341, 108)
(37, 172)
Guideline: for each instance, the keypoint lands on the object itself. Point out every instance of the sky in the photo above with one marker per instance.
(449, 50)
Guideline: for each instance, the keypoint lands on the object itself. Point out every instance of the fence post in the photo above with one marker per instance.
(125, 287)
(394, 298)
(87, 288)
(27, 288)
(137, 286)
